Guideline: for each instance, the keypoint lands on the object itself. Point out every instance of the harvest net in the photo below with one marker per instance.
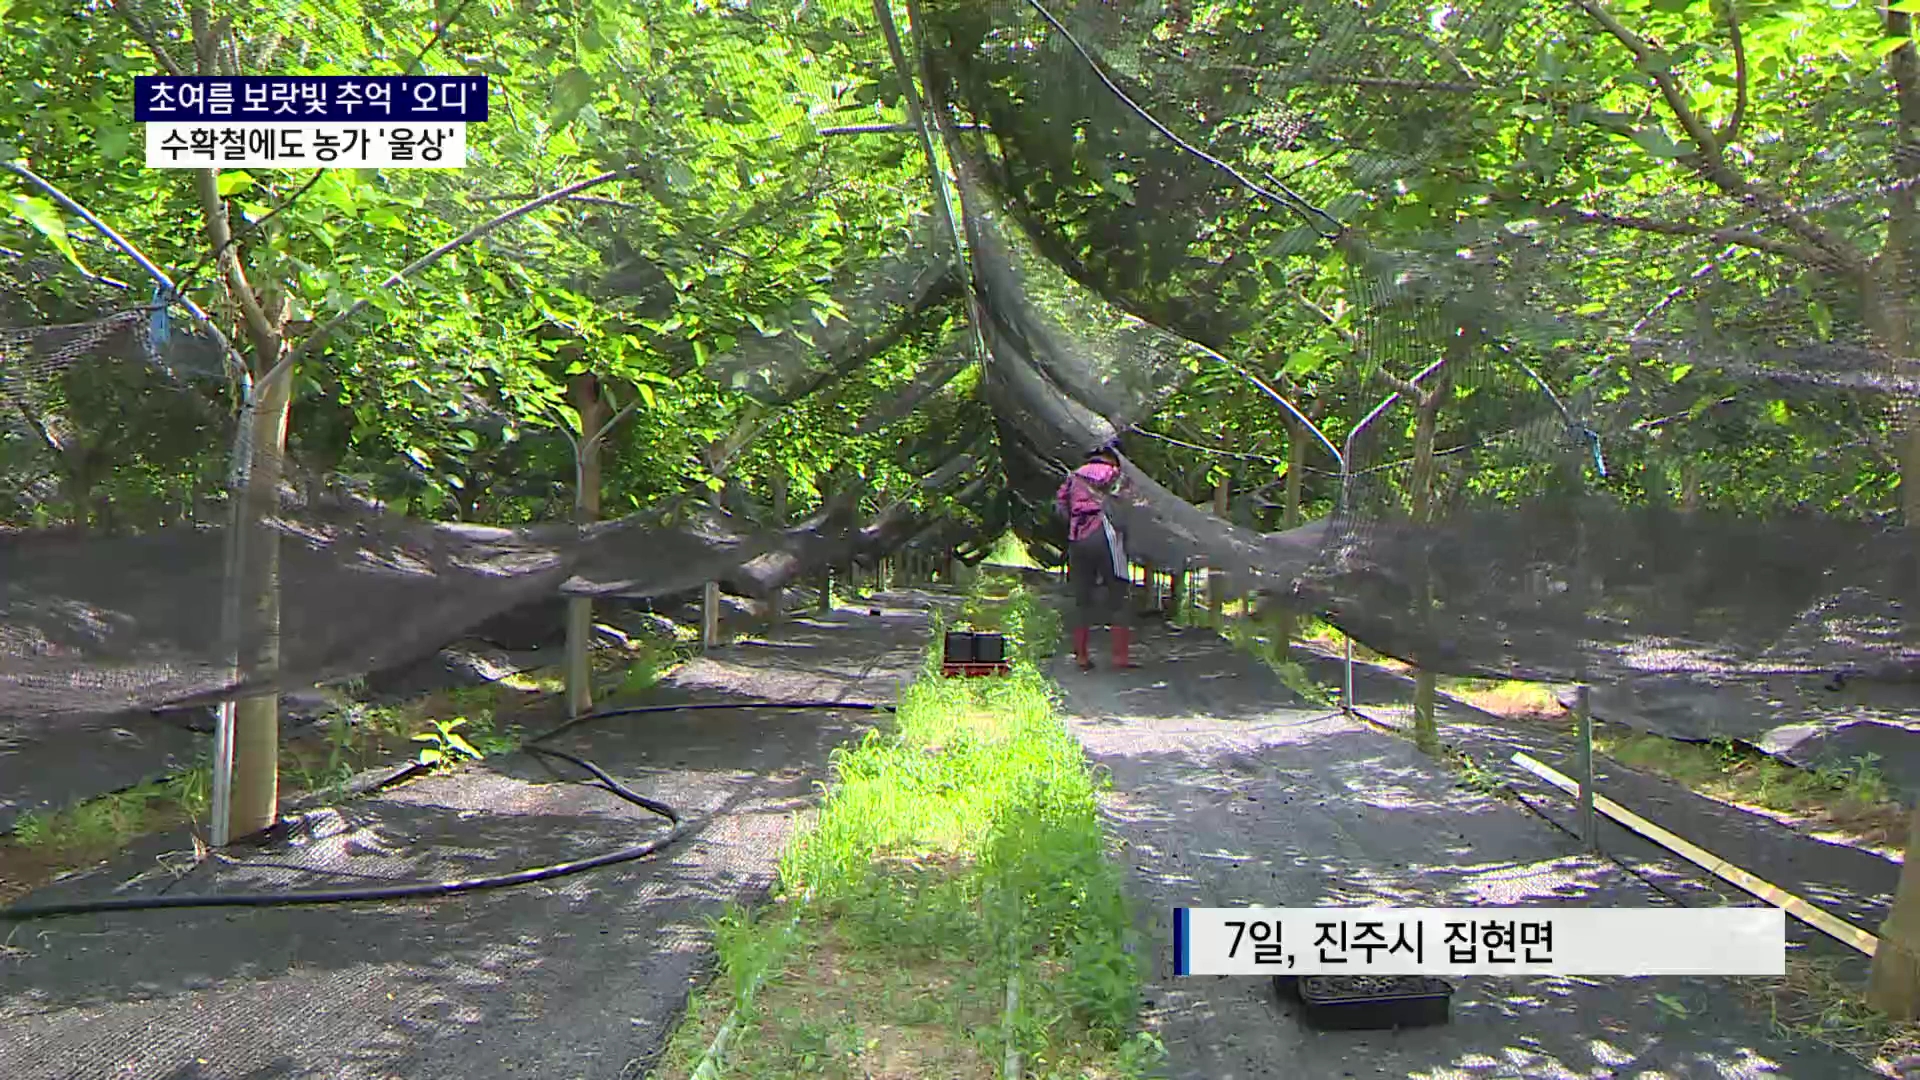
(1655, 437)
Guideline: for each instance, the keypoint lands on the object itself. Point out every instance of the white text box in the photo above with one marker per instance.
(1480, 941)
(213, 145)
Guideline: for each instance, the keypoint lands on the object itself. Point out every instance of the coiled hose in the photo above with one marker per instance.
(676, 831)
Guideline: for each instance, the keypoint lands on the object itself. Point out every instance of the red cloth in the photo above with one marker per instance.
(1083, 497)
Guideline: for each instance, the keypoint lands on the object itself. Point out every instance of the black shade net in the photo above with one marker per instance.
(1535, 403)
(1544, 485)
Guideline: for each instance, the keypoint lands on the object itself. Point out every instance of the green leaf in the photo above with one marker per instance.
(1888, 44)
(231, 183)
(113, 142)
(1778, 412)
(41, 214)
(1680, 372)
(459, 742)
(1656, 142)
(571, 92)
(1822, 319)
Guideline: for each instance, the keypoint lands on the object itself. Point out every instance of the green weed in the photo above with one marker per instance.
(1854, 799)
(446, 747)
(949, 850)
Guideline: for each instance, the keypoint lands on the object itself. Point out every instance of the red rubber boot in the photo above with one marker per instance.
(1122, 642)
(1082, 645)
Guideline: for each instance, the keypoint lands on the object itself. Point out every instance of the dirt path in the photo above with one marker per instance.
(1229, 790)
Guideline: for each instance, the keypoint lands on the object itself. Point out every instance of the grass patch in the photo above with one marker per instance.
(1009, 551)
(958, 849)
(1508, 698)
(1853, 802)
(1261, 637)
(46, 844)
(1818, 1000)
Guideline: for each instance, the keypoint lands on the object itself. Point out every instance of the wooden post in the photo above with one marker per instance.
(1583, 718)
(710, 616)
(588, 401)
(1217, 585)
(1289, 620)
(1426, 727)
(776, 604)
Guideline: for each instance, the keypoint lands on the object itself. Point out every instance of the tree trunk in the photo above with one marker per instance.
(584, 394)
(776, 602)
(1426, 728)
(1288, 622)
(1893, 986)
(1217, 585)
(1893, 982)
(254, 802)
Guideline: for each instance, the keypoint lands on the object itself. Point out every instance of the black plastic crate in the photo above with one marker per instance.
(958, 648)
(1371, 1002)
(973, 647)
(989, 649)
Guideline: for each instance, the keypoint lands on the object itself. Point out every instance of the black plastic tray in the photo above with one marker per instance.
(1356, 1002)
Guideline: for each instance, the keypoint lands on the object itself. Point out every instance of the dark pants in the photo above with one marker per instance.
(1099, 595)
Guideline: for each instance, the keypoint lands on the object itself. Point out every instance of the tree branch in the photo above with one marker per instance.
(1346, 335)
(590, 200)
(1740, 237)
(312, 342)
(148, 38)
(885, 129)
(1406, 388)
(1368, 82)
(206, 183)
(1731, 132)
(1710, 161)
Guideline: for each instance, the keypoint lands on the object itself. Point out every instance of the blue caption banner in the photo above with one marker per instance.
(311, 98)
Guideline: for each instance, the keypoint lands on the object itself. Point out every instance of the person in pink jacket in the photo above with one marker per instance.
(1096, 559)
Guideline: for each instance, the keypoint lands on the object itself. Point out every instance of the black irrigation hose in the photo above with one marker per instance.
(676, 832)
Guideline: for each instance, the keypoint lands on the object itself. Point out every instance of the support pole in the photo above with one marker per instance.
(777, 602)
(1583, 717)
(1217, 585)
(1345, 458)
(710, 616)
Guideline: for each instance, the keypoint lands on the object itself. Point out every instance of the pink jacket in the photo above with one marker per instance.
(1083, 497)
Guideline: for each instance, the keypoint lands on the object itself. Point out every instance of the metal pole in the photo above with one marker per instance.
(239, 522)
(1346, 496)
(1583, 715)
